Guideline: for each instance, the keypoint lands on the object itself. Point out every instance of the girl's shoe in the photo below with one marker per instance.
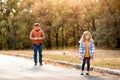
(82, 73)
(87, 73)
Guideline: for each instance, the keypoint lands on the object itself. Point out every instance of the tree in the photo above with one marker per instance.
(63, 22)
(11, 22)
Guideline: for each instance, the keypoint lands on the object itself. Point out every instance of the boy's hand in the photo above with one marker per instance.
(39, 38)
(36, 38)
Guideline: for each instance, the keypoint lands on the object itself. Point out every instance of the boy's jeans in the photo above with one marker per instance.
(39, 49)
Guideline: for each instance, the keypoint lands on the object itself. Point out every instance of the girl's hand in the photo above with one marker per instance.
(83, 56)
(91, 56)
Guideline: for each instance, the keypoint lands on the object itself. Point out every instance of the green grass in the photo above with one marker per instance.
(113, 63)
(103, 58)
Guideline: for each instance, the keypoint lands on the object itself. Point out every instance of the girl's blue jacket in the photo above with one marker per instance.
(82, 47)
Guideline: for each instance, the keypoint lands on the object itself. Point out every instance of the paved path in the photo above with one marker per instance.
(14, 68)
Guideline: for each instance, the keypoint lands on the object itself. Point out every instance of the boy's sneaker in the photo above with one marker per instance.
(41, 63)
(87, 73)
(35, 64)
(82, 73)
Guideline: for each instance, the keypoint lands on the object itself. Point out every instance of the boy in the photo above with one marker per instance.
(37, 37)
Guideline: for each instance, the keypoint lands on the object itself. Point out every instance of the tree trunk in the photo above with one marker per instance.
(93, 24)
(66, 39)
(49, 40)
(57, 44)
(62, 38)
(74, 42)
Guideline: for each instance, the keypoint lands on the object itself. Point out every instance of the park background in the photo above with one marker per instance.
(63, 22)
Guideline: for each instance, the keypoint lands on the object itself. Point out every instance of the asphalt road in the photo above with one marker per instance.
(14, 68)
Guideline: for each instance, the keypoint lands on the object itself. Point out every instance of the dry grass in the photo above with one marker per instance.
(103, 58)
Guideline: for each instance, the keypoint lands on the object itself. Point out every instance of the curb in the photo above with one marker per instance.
(74, 65)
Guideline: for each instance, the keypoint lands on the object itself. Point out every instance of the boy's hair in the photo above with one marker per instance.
(83, 36)
(36, 24)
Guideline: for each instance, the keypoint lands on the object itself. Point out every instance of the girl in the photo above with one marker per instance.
(87, 50)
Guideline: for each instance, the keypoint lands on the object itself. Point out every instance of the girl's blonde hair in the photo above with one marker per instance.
(83, 36)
